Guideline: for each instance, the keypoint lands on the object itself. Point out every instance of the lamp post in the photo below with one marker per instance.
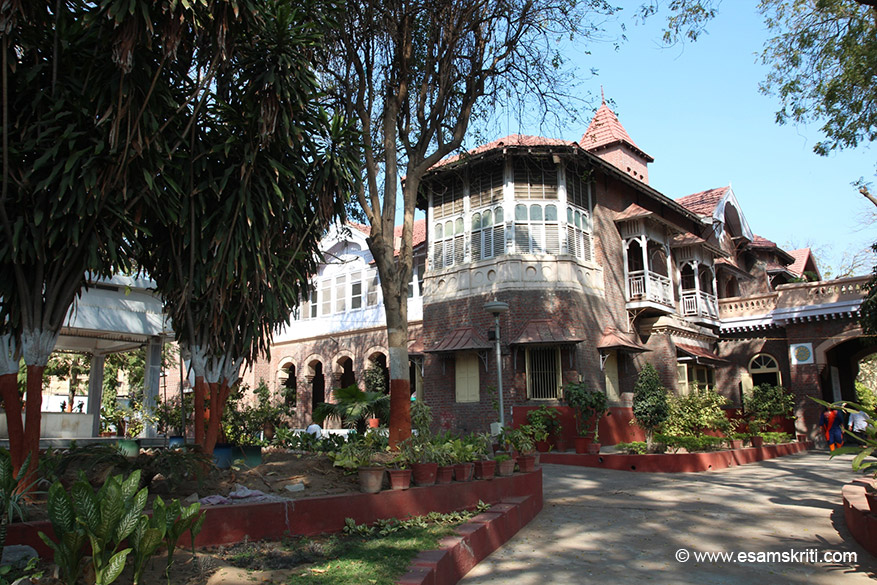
(497, 308)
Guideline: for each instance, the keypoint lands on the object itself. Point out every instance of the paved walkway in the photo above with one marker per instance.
(603, 526)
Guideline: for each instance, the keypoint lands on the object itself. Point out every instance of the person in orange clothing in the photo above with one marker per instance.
(832, 422)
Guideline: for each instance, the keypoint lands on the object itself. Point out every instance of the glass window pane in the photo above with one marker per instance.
(459, 226)
(476, 221)
(535, 213)
(520, 213)
(550, 213)
(578, 219)
(498, 212)
(438, 231)
(488, 219)
(569, 216)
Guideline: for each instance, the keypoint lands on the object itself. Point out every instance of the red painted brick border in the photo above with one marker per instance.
(680, 462)
(861, 523)
(474, 541)
(310, 516)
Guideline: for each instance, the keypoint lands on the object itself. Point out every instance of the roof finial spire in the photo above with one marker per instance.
(602, 96)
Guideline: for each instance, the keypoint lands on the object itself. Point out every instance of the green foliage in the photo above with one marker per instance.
(589, 407)
(696, 412)
(765, 402)
(375, 378)
(517, 440)
(651, 406)
(690, 443)
(634, 448)
(863, 460)
(353, 407)
(70, 549)
(421, 418)
(464, 451)
(545, 420)
(866, 397)
(358, 451)
(179, 520)
(169, 414)
(243, 421)
(776, 438)
(13, 487)
(388, 526)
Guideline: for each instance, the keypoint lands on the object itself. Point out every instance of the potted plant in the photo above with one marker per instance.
(358, 453)
(400, 474)
(444, 456)
(589, 407)
(505, 465)
(545, 424)
(521, 441)
(485, 468)
(464, 456)
(353, 408)
(419, 453)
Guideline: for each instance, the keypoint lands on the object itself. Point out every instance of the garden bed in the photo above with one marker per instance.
(677, 462)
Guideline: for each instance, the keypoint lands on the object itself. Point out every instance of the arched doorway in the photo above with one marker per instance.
(377, 376)
(318, 384)
(346, 376)
(288, 384)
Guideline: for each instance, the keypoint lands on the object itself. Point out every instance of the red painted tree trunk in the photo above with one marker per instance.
(218, 397)
(32, 415)
(12, 405)
(198, 416)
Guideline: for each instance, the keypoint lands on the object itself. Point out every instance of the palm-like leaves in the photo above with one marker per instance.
(353, 406)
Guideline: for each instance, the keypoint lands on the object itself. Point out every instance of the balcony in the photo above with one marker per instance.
(700, 306)
(647, 288)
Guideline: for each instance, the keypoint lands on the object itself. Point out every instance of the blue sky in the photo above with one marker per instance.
(697, 110)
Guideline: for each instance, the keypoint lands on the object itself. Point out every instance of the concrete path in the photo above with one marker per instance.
(603, 526)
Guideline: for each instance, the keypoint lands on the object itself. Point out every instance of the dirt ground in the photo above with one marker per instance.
(246, 562)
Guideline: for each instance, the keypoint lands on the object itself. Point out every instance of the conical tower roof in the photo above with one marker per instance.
(605, 130)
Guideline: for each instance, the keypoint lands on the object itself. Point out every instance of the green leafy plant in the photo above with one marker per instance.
(545, 419)
(180, 519)
(698, 411)
(464, 451)
(690, 443)
(244, 422)
(500, 457)
(70, 549)
(358, 451)
(353, 407)
(633, 448)
(651, 406)
(766, 402)
(13, 487)
(775, 438)
(588, 405)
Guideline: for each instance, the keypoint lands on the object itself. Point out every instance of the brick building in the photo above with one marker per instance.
(601, 273)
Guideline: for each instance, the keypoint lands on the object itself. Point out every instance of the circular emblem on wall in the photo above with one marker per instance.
(802, 353)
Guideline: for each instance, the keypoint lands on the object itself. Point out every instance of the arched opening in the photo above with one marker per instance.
(687, 277)
(764, 369)
(657, 259)
(377, 376)
(634, 256)
(347, 377)
(731, 288)
(288, 384)
(318, 384)
(706, 280)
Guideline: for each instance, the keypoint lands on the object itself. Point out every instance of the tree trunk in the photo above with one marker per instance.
(201, 391)
(71, 389)
(400, 386)
(32, 415)
(12, 405)
(219, 392)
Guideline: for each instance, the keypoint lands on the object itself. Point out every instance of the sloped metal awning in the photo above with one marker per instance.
(545, 332)
(699, 355)
(615, 340)
(461, 339)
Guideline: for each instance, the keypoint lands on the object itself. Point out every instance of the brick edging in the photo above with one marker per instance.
(678, 462)
(474, 542)
(861, 523)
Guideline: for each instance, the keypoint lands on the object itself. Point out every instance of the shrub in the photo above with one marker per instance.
(650, 404)
(634, 448)
(690, 443)
(696, 412)
(589, 407)
(775, 438)
(766, 402)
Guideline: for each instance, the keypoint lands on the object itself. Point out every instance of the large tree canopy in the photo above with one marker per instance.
(413, 74)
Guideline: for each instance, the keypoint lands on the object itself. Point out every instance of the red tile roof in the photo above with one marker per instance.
(759, 242)
(633, 211)
(606, 130)
(511, 140)
(614, 339)
(462, 339)
(699, 353)
(703, 203)
(803, 261)
(418, 235)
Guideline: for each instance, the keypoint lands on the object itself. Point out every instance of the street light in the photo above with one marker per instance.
(497, 308)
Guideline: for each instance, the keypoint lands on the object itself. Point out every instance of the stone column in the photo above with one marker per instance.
(151, 381)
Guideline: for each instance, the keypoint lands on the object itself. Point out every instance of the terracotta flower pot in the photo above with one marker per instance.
(373, 423)
(371, 479)
(560, 445)
(756, 441)
(593, 448)
(505, 467)
(527, 463)
(737, 444)
(542, 446)
(485, 469)
(581, 444)
(463, 471)
(400, 479)
(424, 473)
(872, 501)
(444, 474)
